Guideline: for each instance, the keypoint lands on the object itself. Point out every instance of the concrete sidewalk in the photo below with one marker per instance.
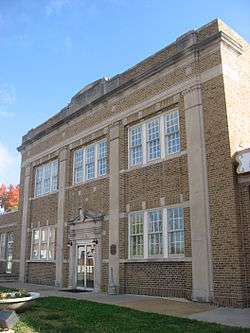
(166, 306)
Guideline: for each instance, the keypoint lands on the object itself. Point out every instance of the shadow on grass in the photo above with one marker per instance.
(63, 315)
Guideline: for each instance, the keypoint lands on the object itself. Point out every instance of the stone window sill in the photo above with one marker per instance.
(171, 259)
(41, 261)
(157, 161)
(44, 195)
(87, 182)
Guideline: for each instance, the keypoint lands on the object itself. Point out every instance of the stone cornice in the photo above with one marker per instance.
(185, 46)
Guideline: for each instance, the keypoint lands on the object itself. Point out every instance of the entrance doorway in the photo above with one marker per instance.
(85, 267)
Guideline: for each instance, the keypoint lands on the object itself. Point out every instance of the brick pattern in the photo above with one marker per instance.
(244, 199)
(41, 273)
(157, 279)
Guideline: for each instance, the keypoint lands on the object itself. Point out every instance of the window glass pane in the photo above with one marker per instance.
(38, 181)
(36, 235)
(153, 139)
(175, 230)
(47, 178)
(54, 175)
(155, 232)
(43, 251)
(35, 251)
(90, 162)
(136, 234)
(78, 166)
(136, 145)
(172, 133)
(102, 158)
(44, 234)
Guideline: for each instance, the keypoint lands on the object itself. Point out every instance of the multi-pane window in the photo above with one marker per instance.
(175, 231)
(156, 233)
(136, 234)
(102, 158)
(2, 246)
(172, 133)
(46, 178)
(135, 145)
(154, 139)
(90, 162)
(43, 243)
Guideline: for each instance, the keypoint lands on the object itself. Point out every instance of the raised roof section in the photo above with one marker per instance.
(99, 89)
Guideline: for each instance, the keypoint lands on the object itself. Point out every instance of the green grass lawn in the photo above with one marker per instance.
(63, 315)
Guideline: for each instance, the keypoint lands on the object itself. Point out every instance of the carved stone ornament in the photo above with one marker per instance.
(243, 158)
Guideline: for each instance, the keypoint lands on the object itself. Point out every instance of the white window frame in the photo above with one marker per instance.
(165, 234)
(163, 150)
(131, 147)
(129, 234)
(3, 246)
(42, 169)
(96, 159)
(48, 229)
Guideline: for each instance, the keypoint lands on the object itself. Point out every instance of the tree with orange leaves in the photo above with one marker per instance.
(9, 197)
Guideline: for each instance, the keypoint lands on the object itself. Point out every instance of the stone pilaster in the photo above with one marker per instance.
(26, 186)
(60, 218)
(114, 167)
(198, 192)
(72, 265)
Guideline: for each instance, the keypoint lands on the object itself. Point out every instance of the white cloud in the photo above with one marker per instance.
(9, 166)
(55, 6)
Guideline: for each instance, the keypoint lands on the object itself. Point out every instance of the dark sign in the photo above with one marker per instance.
(113, 249)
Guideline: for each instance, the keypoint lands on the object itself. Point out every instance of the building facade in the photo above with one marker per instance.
(132, 187)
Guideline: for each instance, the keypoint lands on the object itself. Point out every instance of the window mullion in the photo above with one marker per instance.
(162, 137)
(165, 232)
(83, 164)
(145, 238)
(43, 177)
(144, 144)
(39, 244)
(96, 160)
(129, 236)
(47, 250)
(129, 140)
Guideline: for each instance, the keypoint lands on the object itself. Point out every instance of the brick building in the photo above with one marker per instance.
(132, 187)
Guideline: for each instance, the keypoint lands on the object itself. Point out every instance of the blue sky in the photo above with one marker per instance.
(50, 49)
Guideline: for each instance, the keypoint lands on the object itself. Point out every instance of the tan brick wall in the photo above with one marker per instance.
(244, 198)
(41, 273)
(224, 218)
(168, 279)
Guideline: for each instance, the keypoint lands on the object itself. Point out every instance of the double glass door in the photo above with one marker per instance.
(85, 266)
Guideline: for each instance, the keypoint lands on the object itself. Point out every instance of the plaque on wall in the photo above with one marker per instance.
(113, 249)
